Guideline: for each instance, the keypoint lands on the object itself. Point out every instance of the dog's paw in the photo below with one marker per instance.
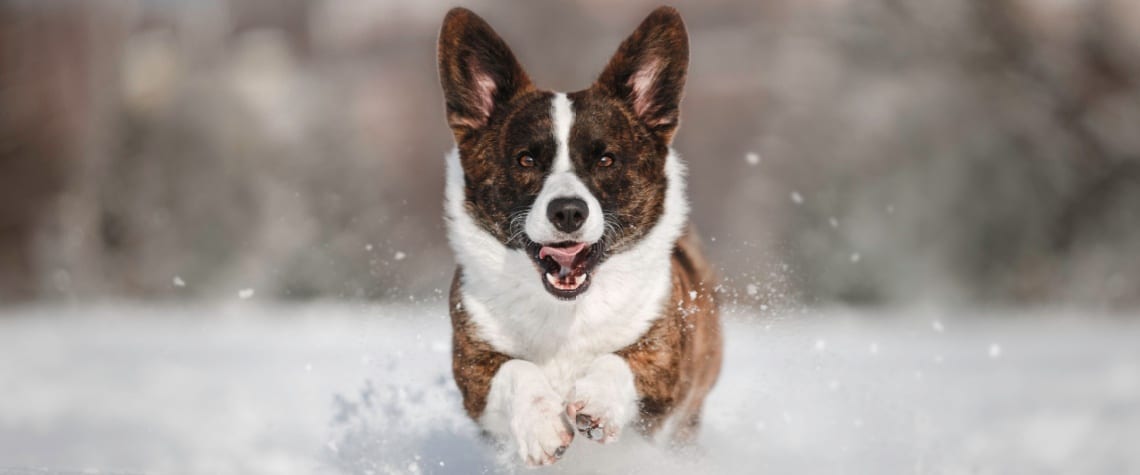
(603, 401)
(540, 430)
(597, 413)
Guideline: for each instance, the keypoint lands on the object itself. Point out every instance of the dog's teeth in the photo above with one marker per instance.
(566, 281)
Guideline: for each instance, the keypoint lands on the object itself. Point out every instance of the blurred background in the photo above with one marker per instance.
(860, 152)
(222, 244)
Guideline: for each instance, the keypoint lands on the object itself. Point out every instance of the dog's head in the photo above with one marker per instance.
(569, 179)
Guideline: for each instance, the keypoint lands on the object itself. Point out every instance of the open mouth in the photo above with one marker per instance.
(565, 266)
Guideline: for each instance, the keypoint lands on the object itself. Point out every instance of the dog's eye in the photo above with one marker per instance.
(606, 160)
(526, 160)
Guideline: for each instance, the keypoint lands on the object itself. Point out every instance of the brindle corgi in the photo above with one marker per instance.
(581, 301)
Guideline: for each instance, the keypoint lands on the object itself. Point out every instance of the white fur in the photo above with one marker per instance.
(504, 296)
(503, 293)
(521, 403)
(562, 114)
(607, 394)
(563, 183)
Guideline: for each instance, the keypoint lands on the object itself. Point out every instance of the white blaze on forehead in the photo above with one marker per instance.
(563, 117)
(562, 182)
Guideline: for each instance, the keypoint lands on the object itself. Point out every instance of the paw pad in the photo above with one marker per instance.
(592, 428)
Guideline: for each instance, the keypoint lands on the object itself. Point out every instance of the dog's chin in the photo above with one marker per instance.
(565, 268)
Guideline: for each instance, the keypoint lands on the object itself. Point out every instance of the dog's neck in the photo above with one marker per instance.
(514, 312)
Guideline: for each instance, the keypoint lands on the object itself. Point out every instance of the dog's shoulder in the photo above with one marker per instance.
(474, 360)
(690, 265)
(681, 350)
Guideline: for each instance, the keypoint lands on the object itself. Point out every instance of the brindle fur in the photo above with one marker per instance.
(473, 361)
(676, 362)
(490, 141)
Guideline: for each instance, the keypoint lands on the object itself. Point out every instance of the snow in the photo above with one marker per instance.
(330, 388)
(245, 294)
(797, 198)
(752, 158)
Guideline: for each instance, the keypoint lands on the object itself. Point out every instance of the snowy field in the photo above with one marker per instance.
(254, 388)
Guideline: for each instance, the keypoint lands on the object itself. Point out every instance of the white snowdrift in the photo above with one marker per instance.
(249, 388)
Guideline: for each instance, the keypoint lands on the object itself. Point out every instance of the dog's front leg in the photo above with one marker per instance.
(604, 399)
(523, 408)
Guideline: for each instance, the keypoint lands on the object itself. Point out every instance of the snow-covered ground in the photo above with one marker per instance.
(257, 388)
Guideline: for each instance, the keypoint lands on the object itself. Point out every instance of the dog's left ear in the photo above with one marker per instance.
(648, 71)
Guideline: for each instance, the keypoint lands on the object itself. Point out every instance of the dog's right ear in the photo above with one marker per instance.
(477, 70)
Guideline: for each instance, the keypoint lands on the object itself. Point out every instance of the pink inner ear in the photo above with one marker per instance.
(641, 82)
(483, 86)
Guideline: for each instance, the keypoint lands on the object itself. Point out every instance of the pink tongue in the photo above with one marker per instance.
(564, 256)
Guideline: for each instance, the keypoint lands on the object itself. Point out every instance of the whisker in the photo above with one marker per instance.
(517, 223)
(615, 231)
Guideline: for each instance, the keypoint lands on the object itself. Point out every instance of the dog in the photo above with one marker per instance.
(581, 301)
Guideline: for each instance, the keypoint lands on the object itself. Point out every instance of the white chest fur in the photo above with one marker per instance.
(563, 338)
(504, 296)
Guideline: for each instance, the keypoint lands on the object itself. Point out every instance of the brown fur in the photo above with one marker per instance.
(659, 44)
(494, 179)
(630, 114)
(477, 71)
(496, 115)
(675, 363)
(632, 190)
(473, 361)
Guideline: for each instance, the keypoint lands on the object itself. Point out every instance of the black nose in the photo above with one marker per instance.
(567, 214)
